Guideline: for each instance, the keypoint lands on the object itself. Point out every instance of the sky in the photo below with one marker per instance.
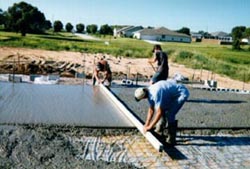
(206, 15)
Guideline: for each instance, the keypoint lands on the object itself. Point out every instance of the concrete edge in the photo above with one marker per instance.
(148, 135)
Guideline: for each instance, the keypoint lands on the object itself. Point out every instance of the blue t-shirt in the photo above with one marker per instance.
(163, 93)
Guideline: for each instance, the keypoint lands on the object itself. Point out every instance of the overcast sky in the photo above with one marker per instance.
(206, 15)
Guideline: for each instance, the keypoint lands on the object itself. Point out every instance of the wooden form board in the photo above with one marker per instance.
(148, 135)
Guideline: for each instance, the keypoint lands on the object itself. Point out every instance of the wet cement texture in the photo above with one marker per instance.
(63, 147)
(82, 105)
(67, 146)
(71, 147)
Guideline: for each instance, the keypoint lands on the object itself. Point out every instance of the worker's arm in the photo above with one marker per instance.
(106, 74)
(106, 71)
(149, 118)
(96, 75)
(152, 60)
(149, 125)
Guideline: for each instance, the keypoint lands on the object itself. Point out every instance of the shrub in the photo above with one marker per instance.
(201, 59)
(127, 53)
(185, 55)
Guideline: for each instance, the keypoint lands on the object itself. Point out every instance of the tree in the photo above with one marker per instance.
(237, 34)
(204, 34)
(92, 28)
(80, 28)
(48, 25)
(1, 17)
(58, 26)
(247, 33)
(69, 27)
(184, 30)
(24, 18)
(106, 30)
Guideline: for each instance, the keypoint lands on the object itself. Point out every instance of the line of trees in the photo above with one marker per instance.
(24, 18)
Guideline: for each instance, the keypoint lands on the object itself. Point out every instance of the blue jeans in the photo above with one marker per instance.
(159, 76)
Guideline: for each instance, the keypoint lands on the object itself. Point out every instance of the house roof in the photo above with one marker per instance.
(129, 28)
(219, 34)
(161, 31)
(125, 28)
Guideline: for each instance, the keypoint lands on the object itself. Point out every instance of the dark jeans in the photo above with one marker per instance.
(159, 76)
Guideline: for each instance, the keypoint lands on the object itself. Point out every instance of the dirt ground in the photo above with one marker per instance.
(119, 65)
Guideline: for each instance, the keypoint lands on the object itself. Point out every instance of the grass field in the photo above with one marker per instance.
(220, 59)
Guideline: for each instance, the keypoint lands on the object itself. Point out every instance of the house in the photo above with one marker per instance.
(222, 36)
(162, 34)
(196, 37)
(127, 31)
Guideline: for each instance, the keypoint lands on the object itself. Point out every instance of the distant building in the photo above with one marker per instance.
(196, 37)
(127, 31)
(222, 36)
(162, 34)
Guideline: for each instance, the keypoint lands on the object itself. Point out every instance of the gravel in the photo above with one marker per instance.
(204, 109)
(59, 147)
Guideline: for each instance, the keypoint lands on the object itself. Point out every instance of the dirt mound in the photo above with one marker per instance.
(69, 63)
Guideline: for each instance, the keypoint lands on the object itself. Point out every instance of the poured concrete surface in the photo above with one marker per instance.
(82, 105)
(204, 109)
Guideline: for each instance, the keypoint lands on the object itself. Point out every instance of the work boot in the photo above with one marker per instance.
(160, 136)
(171, 136)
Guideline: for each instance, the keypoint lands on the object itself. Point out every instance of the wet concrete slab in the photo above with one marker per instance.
(204, 109)
(83, 105)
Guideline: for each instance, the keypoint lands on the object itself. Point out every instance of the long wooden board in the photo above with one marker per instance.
(148, 135)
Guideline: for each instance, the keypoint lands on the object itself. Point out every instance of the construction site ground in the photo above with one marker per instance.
(213, 133)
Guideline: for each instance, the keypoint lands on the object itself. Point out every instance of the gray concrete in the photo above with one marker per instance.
(204, 109)
(73, 147)
(24, 103)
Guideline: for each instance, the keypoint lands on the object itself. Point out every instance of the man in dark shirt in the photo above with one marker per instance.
(102, 66)
(162, 64)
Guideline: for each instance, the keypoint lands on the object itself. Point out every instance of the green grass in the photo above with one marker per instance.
(220, 59)
(217, 58)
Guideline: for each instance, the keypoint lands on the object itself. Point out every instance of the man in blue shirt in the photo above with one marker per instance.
(165, 99)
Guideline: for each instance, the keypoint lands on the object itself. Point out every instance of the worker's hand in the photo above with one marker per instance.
(146, 128)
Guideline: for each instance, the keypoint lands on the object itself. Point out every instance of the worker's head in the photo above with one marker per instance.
(141, 93)
(156, 47)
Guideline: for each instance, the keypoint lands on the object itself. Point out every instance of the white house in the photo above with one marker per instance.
(196, 35)
(223, 36)
(162, 34)
(127, 31)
